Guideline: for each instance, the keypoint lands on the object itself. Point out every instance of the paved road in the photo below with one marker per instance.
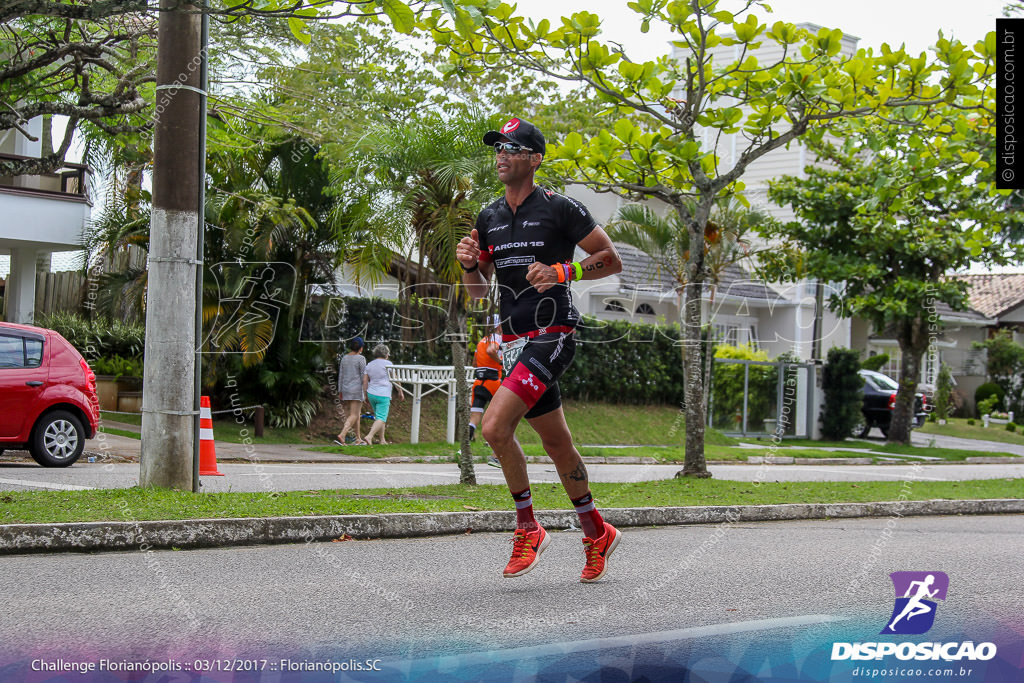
(733, 591)
(309, 476)
(920, 439)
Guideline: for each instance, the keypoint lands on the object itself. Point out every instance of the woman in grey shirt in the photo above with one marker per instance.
(350, 389)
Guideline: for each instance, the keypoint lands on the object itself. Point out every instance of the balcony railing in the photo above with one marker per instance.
(67, 182)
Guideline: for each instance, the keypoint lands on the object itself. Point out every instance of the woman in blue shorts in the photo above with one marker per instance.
(377, 386)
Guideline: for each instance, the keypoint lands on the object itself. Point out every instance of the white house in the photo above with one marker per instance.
(39, 215)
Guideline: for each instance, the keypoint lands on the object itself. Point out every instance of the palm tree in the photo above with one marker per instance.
(428, 179)
(666, 241)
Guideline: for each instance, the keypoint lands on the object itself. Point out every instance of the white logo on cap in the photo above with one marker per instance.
(510, 126)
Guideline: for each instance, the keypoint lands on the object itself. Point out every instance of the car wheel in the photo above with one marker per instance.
(861, 427)
(58, 440)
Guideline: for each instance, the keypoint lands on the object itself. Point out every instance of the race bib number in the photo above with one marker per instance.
(510, 352)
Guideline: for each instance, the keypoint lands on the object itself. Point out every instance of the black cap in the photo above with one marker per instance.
(518, 130)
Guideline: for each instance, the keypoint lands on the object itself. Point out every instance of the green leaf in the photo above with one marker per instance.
(402, 17)
(299, 30)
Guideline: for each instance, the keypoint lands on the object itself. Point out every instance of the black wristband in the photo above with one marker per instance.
(469, 270)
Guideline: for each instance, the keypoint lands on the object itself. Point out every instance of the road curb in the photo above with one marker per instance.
(208, 533)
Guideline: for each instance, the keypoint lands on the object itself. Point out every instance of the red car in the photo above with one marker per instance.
(48, 401)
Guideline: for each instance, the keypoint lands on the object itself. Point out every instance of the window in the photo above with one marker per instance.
(734, 334)
(892, 366)
(18, 352)
(12, 352)
(614, 306)
(644, 309)
(33, 353)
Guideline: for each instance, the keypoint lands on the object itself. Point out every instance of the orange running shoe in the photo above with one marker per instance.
(597, 552)
(526, 549)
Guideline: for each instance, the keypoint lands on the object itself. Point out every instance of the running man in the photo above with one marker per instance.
(914, 606)
(486, 379)
(527, 239)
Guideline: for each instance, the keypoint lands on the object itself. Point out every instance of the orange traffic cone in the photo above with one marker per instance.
(207, 453)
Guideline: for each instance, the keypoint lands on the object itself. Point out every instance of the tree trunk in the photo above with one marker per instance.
(693, 371)
(458, 337)
(168, 387)
(913, 340)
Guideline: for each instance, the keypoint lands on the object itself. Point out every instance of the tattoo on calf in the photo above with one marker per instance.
(578, 474)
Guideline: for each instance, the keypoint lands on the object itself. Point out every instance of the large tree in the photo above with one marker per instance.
(94, 62)
(895, 214)
(666, 139)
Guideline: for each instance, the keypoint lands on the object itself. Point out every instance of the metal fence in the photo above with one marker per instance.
(762, 398)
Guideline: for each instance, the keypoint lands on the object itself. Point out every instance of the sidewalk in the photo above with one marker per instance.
(128, 448)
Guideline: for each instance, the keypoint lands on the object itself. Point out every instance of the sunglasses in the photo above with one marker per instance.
(510, 148)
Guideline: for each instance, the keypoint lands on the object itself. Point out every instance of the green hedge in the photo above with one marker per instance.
(622, 362)
(727, 390)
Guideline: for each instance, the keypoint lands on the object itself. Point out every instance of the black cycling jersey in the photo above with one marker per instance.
(546, 227)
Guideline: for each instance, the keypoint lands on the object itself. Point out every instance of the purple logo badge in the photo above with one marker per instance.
(916, 592)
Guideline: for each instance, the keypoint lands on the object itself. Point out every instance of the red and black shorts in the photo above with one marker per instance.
(533, 366)
(486, 382)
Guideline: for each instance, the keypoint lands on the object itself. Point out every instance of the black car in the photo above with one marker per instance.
(880, 401)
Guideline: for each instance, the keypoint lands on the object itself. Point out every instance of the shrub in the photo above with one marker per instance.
(1005, 367)
(943, 392)
(1011, 427)
(844, 394)
(970, 421)
(98, 337)
(986, 405)
(875, 362)
(986, 391)
(117, 366)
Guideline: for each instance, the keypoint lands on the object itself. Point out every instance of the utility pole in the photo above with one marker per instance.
(168, 397)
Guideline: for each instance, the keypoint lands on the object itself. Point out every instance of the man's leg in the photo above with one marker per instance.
(503, 414)
(600, 538)
(557, 441)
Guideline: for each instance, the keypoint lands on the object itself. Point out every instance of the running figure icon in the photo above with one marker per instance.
(915, 607)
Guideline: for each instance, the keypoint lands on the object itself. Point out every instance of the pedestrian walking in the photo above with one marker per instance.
(350, 391)
(378, 385)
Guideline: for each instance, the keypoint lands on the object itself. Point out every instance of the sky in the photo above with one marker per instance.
(913, 22)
